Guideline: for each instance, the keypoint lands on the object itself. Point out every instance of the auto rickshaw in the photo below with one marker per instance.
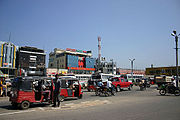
(70, 88)
(28, 90)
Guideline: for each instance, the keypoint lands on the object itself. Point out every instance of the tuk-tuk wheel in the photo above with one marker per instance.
(25, 105)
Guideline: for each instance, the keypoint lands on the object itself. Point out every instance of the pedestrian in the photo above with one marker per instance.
(109, 85)
(57, 91)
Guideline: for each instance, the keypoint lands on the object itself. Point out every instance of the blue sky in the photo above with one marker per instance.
(139, 29)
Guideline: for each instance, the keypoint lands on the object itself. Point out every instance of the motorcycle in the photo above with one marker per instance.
(169, 89)
(98, 91)
(142, 87)
(105, 91)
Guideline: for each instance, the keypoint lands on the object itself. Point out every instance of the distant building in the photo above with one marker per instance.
(121, 71)
(76, 61)
(31, 61)
(162, 71)
(7, 58)
(107, 67)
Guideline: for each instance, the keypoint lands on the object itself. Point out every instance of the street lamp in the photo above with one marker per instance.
(132, 60)
(176, 40)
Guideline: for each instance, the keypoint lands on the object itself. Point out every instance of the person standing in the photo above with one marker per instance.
(57, 91)
(109, 85)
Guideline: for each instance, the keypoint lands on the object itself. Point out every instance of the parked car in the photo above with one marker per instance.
(121, 83)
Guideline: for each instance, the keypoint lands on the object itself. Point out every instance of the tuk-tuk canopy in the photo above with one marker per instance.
(26, 83)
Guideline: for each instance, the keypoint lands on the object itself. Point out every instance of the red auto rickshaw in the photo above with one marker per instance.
(70, 88)
(28, 90)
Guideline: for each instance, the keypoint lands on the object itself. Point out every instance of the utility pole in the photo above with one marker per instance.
(99, 52)
(176, 40)
(132, 60)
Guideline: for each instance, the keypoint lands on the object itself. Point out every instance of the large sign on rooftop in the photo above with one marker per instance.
(74, 50)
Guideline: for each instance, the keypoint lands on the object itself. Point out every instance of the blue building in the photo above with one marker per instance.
(75, 61)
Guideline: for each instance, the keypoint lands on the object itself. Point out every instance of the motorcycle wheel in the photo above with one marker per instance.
(97, 92)
(114, 92)
(141, 88)
(106, 94)
(176, 92)
(162, 92)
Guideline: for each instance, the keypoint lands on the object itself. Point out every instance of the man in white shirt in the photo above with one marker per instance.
(109, 84)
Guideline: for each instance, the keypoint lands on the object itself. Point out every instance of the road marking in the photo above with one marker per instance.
(69, 104)
(41, 108)
(11, 113)
(85, 102)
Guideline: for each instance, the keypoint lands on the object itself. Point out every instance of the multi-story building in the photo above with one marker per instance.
(31, 61)
(108, 67)
(7, 58)
(76, 61)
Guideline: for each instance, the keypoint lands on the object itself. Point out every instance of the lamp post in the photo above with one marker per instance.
(176, 40)
(132, 60)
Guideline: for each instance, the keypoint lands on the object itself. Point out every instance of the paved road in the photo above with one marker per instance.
(126, 105)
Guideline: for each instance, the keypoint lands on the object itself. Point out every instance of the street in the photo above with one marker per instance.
(126, 105)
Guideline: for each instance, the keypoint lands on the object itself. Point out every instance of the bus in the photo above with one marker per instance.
(101, 76)
(83, 79)
(135, 77)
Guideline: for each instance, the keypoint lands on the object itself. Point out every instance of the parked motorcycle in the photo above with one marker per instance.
(169, 89)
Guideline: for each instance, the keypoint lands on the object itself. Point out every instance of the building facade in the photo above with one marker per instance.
(31, 61)
(169, 71)
(7, 58)
(108, 67)
(76, 61)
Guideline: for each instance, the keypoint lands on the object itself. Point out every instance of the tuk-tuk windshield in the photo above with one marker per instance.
(96, 77)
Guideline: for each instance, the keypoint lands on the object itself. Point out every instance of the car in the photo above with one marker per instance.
(121, 83)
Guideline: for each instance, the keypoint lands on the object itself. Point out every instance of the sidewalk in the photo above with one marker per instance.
(4, 98)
